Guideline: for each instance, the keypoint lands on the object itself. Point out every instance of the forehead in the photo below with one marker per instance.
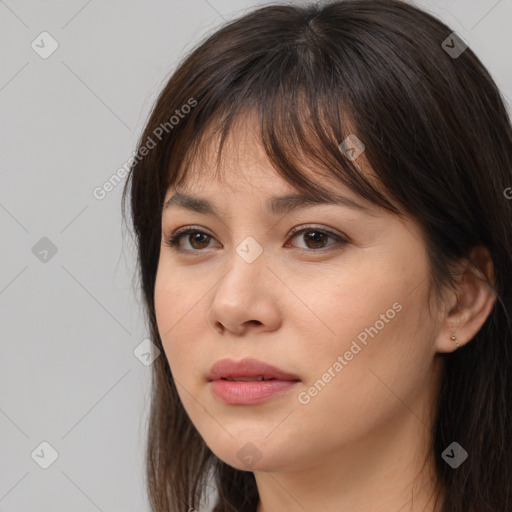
(213, 190)
(205, 184)
(243, 159)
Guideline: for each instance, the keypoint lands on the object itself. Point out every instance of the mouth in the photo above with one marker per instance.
(249, 381)
(248, 370)
(246, 379)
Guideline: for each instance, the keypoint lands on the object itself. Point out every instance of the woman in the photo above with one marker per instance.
(319, 200)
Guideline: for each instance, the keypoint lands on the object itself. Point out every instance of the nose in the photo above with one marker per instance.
(246, 299)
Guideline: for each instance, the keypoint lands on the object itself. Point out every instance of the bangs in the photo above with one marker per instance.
(302, 131)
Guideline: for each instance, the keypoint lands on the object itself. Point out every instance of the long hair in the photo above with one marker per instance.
(438, 138)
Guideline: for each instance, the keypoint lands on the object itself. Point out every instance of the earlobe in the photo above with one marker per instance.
(474, 301)
(454, 338)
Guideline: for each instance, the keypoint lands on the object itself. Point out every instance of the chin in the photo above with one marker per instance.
(249, 455)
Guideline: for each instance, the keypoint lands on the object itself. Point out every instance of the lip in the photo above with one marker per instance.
(248, 367)
(253, 392)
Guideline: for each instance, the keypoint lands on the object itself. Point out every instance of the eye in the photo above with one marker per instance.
(174, 241)
(316, 237)
(199, 240)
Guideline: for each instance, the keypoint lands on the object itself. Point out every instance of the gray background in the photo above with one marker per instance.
(70, 321)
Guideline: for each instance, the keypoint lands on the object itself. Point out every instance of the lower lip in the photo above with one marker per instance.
(249, 393)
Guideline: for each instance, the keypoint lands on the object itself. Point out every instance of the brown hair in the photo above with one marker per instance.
(439, 139)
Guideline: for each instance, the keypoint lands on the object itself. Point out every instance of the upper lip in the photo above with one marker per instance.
(247, 367)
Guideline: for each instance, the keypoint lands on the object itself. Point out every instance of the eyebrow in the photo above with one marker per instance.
(277, 205)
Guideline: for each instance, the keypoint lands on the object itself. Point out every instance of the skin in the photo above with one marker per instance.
(360, 443)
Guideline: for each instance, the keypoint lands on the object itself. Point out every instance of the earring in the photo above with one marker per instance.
(453, 338)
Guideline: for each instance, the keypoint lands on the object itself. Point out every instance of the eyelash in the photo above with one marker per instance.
(173, 240)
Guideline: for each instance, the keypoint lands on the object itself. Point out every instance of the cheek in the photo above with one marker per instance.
(178, 310)
(375, 318)
(346, 304)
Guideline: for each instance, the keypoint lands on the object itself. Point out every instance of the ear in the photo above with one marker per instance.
(471, 304)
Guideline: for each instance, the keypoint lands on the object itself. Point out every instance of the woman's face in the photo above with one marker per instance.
(349, 320)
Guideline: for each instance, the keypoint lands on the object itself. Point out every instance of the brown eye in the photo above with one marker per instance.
(198, 240)
(315, 238)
